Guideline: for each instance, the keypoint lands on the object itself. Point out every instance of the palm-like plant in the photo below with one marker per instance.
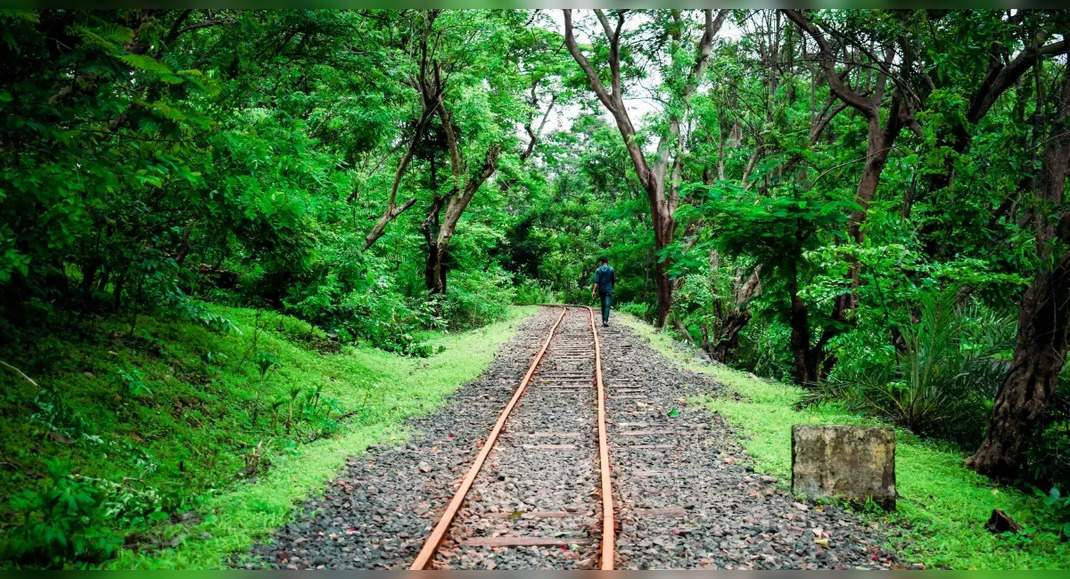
(944, 376)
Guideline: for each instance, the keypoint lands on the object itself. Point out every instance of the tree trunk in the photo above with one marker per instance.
(1039, 354)
(731, 324)
(728, 335)
(434, 274)
(804, 361)
(664, 224)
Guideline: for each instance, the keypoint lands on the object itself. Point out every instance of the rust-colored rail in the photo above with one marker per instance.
(423, 559)
(608, 523)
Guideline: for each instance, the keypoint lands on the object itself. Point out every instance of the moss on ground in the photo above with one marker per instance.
(943, 506)
(163, 418)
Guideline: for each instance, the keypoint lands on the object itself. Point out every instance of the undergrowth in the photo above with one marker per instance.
(943, 506)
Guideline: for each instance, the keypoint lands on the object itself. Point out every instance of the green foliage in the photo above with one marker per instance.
(134, 383)
(63, 522)
(477, 298)
(941, 380)
(776, 229)
(159, 164)
(55, 414)
(1060, 508)
(142, 469)
(221, 163)
(1048, 454)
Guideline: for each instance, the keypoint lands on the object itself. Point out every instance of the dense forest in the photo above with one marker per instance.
(870, 204)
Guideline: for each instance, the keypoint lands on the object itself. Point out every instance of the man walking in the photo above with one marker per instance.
(604, 277)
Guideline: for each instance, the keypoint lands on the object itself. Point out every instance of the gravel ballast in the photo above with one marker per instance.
(685, 493)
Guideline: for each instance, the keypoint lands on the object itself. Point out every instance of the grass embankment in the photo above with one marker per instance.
(943, 506)
(158, 427)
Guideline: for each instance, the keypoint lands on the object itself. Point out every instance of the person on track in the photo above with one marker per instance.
(604, 277)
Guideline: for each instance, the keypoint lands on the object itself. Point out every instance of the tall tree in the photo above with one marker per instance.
(897, 62)
(424, 82)
(659, 176)
(1043, 338)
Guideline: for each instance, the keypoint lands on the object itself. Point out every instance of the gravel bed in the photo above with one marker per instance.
(686, 494)
(714, 511)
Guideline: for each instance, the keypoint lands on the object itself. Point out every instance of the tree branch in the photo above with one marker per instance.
(999, 79)
(585, 65)
(866, 106)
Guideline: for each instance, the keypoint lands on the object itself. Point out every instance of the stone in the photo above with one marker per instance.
(852, 462)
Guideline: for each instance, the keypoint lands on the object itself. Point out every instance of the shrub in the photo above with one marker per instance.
(1048, 454)
(764, 348)
(530, 291)
(64, 521)
(943, 380)
(478, 298)
(640, 310)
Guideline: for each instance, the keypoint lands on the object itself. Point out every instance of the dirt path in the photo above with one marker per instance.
(687, 496)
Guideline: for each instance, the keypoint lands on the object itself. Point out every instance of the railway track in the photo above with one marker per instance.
(541, 482)
(681, 497)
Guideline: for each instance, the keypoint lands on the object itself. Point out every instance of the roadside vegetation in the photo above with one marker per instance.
(942, 509)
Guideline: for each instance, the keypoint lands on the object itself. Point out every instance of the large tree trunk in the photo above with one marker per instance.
(1041, 345)
(1039, 354)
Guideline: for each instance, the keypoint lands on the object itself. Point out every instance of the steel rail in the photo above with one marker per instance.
(608, 522)
(423, 559)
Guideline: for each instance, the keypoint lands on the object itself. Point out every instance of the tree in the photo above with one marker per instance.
(1043, 338)
(897, 62)
(423, 81)
(659, 177)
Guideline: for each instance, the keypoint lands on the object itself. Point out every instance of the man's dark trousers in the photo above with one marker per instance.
(606, 299)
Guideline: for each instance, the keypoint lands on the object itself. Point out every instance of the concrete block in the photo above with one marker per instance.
(851, 462)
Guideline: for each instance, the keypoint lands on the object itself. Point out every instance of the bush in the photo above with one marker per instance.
(65, 521)
(532, 292)
(360, 301)
(476, 299)
(1049, 453)
(764, 348)
(943, 381)
(641, 310)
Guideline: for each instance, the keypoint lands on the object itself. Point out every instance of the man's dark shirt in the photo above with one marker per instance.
(604, 278)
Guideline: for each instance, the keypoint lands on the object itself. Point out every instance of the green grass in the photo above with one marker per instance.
(943, 506)
(165, 419)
